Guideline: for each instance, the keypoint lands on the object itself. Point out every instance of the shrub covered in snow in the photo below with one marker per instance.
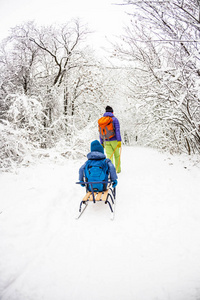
(14, 146)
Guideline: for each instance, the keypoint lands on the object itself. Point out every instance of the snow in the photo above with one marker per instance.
(149, 252)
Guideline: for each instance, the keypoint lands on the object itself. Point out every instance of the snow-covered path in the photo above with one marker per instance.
(151, 251)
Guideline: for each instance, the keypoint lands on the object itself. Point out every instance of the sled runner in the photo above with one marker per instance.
(108, 196)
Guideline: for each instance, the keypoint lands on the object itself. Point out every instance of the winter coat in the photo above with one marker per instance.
(116, 127)
(95, 155)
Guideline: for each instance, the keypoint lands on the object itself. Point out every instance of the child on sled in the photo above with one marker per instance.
(97, 168)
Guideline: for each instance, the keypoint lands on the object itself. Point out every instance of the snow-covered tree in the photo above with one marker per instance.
(53, 88)
(162, 45)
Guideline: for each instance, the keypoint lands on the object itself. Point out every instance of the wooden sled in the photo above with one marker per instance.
(108, 196)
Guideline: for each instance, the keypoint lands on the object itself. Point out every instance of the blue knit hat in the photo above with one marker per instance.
(96, 146)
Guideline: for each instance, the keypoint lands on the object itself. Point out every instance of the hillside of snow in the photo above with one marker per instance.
(151, 251)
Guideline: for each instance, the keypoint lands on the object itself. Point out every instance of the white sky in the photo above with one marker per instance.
(101, 16)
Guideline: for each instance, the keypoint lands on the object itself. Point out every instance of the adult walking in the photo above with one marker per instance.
(110, 137)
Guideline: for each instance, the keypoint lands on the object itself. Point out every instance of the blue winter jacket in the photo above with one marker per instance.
(95, 155)
(116, 127)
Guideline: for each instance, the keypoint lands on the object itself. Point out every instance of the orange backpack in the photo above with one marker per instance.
(106, 128)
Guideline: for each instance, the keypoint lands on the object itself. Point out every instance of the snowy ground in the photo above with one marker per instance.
(151, 251)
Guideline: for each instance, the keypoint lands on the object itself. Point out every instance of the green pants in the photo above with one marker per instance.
(110, 147)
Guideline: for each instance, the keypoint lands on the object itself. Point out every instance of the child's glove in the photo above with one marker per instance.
(119, 144)
(82, 184)
(114, 183)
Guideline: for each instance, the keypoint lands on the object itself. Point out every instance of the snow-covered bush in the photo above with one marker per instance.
(21, 129)
(13, 146)
(26, 113)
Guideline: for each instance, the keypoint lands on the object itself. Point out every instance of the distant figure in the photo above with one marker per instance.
(110, 136)
(97, 168)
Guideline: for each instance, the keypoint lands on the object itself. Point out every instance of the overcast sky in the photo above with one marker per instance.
(101, 16)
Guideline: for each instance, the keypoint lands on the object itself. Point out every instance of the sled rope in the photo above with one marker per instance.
(113, 153)
(119, 156)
